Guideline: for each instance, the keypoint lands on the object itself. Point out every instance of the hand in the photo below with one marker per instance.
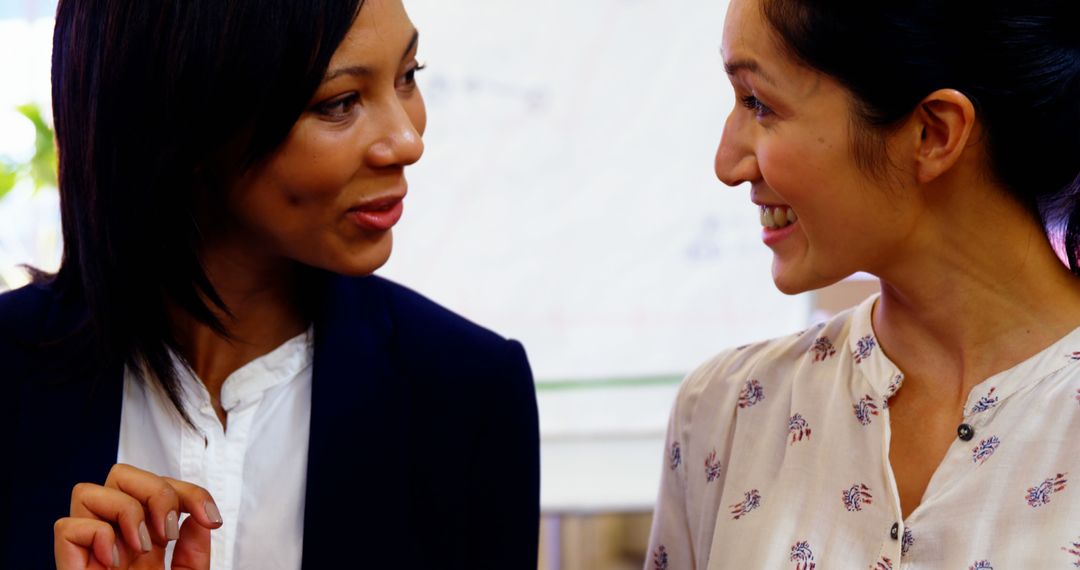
(144, 510)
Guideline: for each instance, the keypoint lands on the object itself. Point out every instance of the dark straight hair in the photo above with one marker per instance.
(157, 103)
(1018, 61)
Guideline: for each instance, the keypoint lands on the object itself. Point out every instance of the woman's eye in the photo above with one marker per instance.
(338, 109)
(408, 79)
(754, 104)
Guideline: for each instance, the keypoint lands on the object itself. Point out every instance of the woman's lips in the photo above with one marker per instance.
(778, 222)
(773, 236)
(379, 216)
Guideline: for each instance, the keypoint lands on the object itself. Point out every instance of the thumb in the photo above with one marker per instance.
(192, 551)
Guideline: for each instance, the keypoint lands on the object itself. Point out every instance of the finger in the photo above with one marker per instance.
(197, 502)
(157, 496)
(113, 506)
(192, 551)
(84, 544)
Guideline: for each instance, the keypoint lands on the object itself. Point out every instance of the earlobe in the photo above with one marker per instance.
(947, 118)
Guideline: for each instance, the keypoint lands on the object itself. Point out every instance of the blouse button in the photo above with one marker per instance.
(895, 531)
(965, 432)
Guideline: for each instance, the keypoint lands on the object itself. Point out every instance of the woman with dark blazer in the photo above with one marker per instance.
(214, 377)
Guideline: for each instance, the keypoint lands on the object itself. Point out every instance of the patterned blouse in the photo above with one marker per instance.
(778, 458)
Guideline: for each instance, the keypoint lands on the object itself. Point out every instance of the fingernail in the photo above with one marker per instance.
(144, 537)
(115, 556)
(172, 526)
(212, 512)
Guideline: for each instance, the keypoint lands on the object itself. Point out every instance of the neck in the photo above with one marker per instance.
(981, 293)
(262, 294)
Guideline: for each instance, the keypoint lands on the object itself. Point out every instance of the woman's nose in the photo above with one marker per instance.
(401, 142)
(735, 159)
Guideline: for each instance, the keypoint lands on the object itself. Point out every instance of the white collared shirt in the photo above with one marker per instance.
(256, 470)
(778, 458)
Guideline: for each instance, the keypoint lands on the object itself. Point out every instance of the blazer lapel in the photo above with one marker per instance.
(356, 498)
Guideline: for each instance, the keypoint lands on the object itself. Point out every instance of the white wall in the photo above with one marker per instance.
(567, 196)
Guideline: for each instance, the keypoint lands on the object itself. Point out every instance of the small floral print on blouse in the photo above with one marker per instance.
(751, 394)
(1074, 356)
(985, 403)
(802, 554)
(676, 456)
(712, 467)
(798, 428)
(751, 501)
(1040, 495)
(985, 449)
(1074, 549)
(981, 565)
(855, 497)
(863, 348)
(864, 409)
(907, 541)
(659, 558)
(823, 348)
(884, 564)
(894, 385)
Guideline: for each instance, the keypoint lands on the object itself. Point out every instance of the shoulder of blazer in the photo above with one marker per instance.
(40, 336)
(418, 320)
(23, 316)
(404, 383)
(53, 390)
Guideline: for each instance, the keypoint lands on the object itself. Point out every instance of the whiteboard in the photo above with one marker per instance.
(567, 196)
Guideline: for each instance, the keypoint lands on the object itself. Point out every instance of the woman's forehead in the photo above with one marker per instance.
(382, 34)
(744, 27)
(748, 45)
(751, 48)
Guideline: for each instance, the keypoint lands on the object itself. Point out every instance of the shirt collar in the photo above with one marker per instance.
(250, 381)
(885, 377)
(1047, 363)
(869, 360)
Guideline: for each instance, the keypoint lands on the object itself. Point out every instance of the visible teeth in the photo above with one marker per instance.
(767, 218)
(777, 217)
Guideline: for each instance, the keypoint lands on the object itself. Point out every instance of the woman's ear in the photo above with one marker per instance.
(945, 119)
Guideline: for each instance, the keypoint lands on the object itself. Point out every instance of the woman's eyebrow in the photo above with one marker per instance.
(735, 66)
(354, 70)
(360, 70)
(412, 44)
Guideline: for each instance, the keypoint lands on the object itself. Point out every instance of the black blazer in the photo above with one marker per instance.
(424, 449)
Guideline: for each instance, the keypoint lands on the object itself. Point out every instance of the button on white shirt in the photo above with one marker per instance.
(256, 469)
(778, 458)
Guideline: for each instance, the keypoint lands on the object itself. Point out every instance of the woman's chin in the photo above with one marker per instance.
(789, 288)
(791, 279)
(364, 262)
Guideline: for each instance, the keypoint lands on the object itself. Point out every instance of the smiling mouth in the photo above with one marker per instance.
(776, 217)
(379, 215)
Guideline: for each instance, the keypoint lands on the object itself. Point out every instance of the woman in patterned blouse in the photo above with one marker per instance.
(935, 145)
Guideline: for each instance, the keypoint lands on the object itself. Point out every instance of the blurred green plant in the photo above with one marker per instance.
(41, 168)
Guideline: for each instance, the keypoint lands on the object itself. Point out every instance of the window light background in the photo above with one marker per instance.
(566, 199)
